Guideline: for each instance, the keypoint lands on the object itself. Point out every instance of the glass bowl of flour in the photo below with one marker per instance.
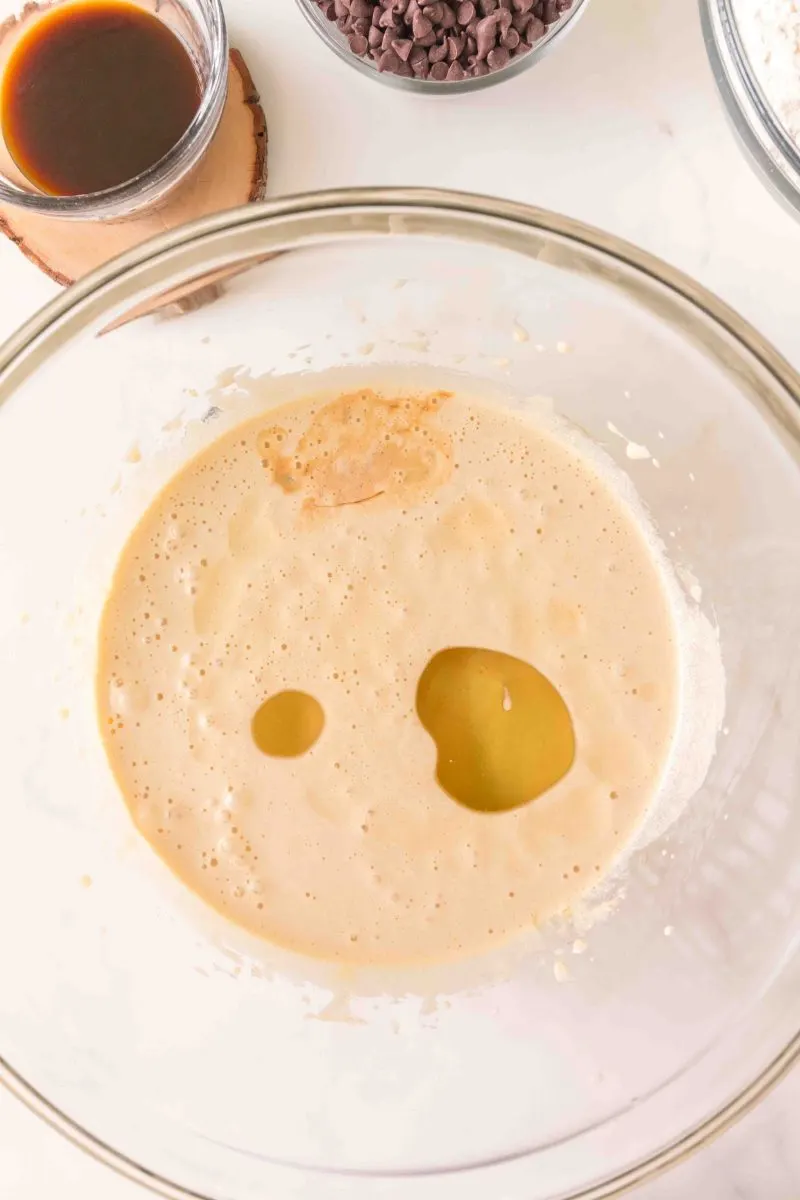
(280, 576)
(754, 49)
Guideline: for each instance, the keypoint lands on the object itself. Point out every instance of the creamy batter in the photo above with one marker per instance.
(333, 548)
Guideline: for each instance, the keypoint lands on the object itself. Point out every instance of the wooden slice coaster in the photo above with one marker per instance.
(233, 172)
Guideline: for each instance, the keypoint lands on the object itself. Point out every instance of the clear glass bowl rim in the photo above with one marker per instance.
(29, 345)
(153, 183)
(432, 87)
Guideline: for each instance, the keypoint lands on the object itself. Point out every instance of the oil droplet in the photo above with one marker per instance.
(503, 733)
(288, 724)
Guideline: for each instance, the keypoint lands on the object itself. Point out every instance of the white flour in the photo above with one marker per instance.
(770, 31)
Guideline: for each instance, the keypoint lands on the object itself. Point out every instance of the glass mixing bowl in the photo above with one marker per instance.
(336, 41)
(767, 145)
(202, 1063)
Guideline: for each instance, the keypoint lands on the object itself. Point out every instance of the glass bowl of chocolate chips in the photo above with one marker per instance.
(442, 46)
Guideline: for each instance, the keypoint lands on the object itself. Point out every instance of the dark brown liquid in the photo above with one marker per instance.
(93, 95)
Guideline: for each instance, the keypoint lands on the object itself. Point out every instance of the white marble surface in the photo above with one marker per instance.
(621, 128)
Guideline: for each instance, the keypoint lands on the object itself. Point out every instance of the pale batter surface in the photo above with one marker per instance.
(334, 547)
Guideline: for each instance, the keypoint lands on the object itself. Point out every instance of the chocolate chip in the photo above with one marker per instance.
(389, 61)
(419, 60)
(403, 47)
(443, 40)
(421, 26)
(535, 29)
(486, 34)
(498, 58)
